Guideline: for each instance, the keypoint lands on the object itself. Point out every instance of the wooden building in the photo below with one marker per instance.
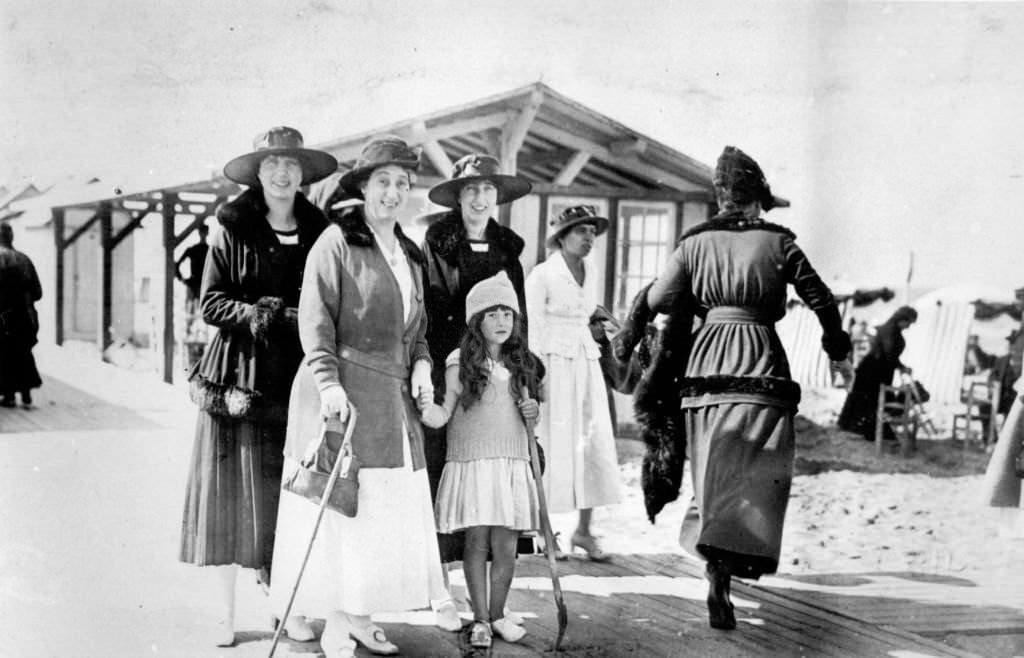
(571, 153)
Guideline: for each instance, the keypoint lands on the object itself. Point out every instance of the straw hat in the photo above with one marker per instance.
(572, 216)
(478, 167)
(283, 141)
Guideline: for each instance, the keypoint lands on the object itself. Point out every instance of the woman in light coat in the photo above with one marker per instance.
(362, 325)
(575, 427)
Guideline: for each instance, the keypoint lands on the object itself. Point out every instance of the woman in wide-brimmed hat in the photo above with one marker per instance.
(362, 323)
(738, 398)
(575, 425)
(462, 247)
(250, 293)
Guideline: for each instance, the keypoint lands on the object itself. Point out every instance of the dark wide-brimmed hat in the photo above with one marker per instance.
(572, 216)
(380, 151)
(742, 176)
(283, 141)
(478, 167)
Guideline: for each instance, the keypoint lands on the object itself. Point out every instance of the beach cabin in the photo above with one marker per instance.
(111, 277)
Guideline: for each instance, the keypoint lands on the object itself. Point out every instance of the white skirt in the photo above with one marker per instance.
(575, 429)
(498, 491)
(385, 559)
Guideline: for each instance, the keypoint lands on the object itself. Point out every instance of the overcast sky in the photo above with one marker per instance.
(891, 127)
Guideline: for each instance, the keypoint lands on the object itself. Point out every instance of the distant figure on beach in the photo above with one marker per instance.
(19, 324)
(738, 398)
(250, 294)
(1001, 487)
(195, 256)
(876, 368)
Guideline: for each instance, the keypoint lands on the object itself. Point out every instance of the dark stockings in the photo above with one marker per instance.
(501, 544)
(720, 608)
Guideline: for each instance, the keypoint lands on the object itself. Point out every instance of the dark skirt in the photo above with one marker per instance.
(232, 495)
(741, 456)
(18, 372)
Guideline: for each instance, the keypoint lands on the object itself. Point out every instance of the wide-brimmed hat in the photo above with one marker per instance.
(478, 167)
(572, 216)
(379, 151)
(742, 176)
(284, 141)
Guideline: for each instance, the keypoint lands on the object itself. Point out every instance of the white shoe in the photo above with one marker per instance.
(225, 634)
(448, 616)
(299, 629)
(507, 630)
(336, 643)
(513, 617)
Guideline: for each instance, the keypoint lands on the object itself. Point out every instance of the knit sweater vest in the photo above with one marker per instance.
(491, 427)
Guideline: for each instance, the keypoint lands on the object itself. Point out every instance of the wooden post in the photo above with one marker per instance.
(105, 320)
(542, 229)
(58, 284)
(170, 241)
(609, 262)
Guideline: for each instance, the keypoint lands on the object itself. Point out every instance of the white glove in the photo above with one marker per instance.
(334, 402)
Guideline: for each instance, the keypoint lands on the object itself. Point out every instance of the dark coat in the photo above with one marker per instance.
(246, 295)
(19, 290)
(452, 269)
(354, 335)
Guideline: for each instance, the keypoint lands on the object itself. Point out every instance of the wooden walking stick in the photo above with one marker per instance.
(545, 526)
(350, 426)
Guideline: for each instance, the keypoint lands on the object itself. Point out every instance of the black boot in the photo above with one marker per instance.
(26, 399)
(8, 400)
(720, 608)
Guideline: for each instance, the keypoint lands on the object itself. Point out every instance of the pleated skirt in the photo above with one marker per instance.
(232, 494)
(498, 492)
(384, 559)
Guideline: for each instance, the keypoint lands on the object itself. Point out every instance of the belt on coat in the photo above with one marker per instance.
(378, 364)
(738, 314)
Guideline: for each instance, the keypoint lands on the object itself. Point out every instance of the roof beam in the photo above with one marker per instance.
(438, 157)
(630, 163)
(572, 168)
(624, 147)
(514, 132)
(411, 132)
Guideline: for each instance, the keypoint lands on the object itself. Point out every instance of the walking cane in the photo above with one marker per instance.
(549, 536)
(335, 470)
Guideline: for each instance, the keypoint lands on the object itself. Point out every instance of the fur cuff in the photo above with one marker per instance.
(233, 402)
(266, 312)
(783, 390)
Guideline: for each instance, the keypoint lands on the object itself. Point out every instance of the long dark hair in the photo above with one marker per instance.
(515, 355)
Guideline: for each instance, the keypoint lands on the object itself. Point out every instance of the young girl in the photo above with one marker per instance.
(486, 487)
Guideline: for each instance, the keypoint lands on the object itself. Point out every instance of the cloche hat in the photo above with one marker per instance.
(572, 216)
(742, 176)
(284, 141)
(494, 291)
(478, 167)
(379, 151)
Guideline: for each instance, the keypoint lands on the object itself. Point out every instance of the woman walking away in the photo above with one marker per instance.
(876, 368)
(362, 325)
(250, 292)
(738, 398)
(575, 426)
(463, 247)
(486, 487)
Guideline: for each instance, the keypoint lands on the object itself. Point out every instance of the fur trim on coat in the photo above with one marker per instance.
(237, 215)
(734, 220)
(784, 390)
(447, 233)
(352, 222)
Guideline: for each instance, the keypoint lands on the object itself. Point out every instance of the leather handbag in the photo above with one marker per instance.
(313, 474)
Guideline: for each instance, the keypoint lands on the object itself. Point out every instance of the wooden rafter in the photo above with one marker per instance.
(79, 231)
(514, 132)
(134, 223)
(350, 149)
(438, 157)
(572, 168)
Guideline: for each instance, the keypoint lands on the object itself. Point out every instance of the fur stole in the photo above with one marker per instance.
(734, 220)
(352, 222)
(448, 233)
(247, 212)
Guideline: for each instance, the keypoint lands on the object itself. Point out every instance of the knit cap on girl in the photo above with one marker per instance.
(495, 291)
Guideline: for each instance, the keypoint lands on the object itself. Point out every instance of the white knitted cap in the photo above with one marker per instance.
(491, 292)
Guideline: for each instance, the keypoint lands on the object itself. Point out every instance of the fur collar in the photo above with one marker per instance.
(447, 234)
(734, 220)
(352, 223)
(246, 213)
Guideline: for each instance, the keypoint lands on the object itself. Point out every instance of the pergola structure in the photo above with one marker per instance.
(562, 147)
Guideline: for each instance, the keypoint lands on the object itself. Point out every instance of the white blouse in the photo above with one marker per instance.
(559, 309)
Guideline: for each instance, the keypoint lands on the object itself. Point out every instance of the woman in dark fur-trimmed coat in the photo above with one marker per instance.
(738, 399)
(250, 293)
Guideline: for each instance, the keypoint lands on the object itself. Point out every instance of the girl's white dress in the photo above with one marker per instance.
(575, 426)
(492, 491)
(385, 559)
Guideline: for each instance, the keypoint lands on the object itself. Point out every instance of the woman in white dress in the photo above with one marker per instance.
(575, 425)
(362, 326)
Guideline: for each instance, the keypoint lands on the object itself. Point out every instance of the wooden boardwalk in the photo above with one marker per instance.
(639, 605)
